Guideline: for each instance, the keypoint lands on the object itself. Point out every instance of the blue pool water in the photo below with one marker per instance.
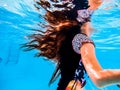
(22, 71)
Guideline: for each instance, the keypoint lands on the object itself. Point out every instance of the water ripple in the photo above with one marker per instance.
(18, 17)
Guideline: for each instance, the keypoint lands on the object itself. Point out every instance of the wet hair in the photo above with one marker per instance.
(59, 22)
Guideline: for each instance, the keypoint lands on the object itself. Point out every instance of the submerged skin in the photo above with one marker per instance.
(100, 77)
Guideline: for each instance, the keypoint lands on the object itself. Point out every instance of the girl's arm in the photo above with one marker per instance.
(94, 4)
(99, 76)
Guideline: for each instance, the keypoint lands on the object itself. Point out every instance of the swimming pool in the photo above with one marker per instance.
(22, 71)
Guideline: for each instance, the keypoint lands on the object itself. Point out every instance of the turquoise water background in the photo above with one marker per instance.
(22, 71)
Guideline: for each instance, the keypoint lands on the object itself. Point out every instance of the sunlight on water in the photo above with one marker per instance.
(21, 71)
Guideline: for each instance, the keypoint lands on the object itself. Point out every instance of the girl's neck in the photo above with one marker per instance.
(86, 32)
(86, 29)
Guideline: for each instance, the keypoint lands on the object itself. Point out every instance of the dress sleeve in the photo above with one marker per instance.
(78, 41)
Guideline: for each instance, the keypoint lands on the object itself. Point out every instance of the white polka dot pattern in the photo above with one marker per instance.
(78, 40)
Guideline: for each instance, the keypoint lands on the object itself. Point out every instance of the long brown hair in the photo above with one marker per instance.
(48, 42)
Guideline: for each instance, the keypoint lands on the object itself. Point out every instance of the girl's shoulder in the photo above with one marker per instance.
(78, 40)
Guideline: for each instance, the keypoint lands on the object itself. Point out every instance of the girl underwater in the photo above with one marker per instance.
(67, 42)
